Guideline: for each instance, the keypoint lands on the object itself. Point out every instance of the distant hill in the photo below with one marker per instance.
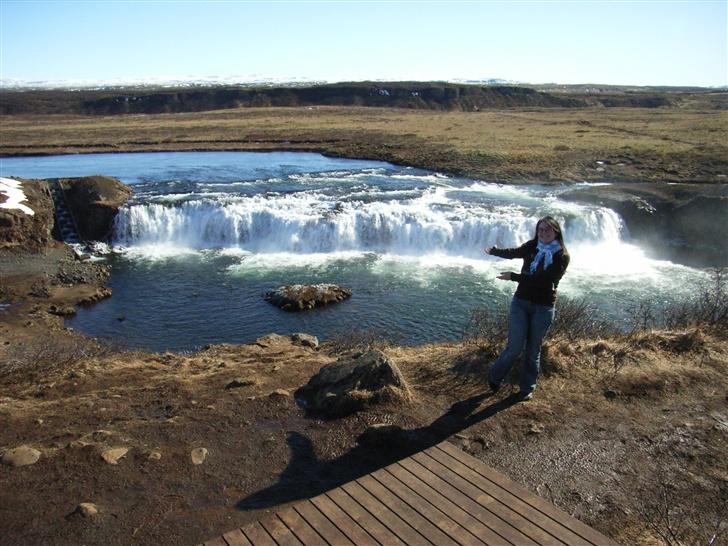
(415, 95)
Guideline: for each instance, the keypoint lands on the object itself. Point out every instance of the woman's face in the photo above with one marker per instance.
(545, 232)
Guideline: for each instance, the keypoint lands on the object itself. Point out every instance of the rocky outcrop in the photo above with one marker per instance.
(94, 202)
(684, 222)
(299, 297)
(420, 95)
(353, 383)
(19, 228)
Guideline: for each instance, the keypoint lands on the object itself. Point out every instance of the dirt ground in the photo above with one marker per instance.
(629, 434)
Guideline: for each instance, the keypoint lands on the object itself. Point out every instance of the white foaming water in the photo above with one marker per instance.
(436, 221)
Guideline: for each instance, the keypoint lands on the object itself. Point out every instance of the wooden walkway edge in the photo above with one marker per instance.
(438, 497)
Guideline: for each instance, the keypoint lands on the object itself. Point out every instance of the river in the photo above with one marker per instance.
(206, 234)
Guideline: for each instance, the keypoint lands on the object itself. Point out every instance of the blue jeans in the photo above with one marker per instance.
(527, 325)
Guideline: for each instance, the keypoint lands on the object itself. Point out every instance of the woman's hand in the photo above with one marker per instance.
(505, 276)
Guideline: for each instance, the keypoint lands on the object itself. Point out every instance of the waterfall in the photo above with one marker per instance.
(430, 222)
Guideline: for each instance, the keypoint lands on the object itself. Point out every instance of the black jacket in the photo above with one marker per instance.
(539, 287)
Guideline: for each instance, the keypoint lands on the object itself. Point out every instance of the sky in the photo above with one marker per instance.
(640, 42)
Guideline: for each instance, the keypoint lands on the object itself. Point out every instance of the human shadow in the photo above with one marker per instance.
(306, 476)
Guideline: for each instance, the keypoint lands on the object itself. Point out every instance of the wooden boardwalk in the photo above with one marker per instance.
(440, 496)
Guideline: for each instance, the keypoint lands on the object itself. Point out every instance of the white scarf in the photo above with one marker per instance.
(545, 252)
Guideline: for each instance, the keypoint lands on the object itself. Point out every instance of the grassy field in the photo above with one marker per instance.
(512, 145)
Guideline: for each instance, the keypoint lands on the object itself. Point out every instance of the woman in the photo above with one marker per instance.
(545, 260)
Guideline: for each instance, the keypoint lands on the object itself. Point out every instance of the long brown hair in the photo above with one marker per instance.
(554, 223)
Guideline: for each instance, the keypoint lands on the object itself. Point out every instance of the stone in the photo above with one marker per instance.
(305, 340)
(62, 310)
(300, 297)
(354, 382)
(198, 455)
(280, 392)
(87, 509)
(154, 455)
(239, 382)
(536, 428)
(113, 454)
(273, 340)
(21, 456)
(381, 435)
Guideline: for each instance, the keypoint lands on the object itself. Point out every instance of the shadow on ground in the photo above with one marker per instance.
(306, 476)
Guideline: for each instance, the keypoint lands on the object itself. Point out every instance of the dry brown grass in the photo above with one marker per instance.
(516, 145)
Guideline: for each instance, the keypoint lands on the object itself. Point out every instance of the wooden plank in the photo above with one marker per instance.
(358, 513)
(300, 527)
(487, 510)
(423, 526)
(321, 523)
(390, 519)
(236, 538)
(503, 510)
(572, 524)
(341, 519)
(438, 497)
(257, 535)
(443, 503)
(514, 502)
(445, 520)
(280, 533)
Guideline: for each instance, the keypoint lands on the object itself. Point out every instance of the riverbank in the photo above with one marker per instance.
(625, 432)
(520, 145)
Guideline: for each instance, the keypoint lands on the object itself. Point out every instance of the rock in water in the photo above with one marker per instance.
(299, 297)
(353, 383)
(21, 456)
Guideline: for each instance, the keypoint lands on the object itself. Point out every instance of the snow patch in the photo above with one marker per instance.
(14, 192)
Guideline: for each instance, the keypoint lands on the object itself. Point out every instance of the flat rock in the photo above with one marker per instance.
(113, 455)
(305, 340)
(198, 455)
(299, 297)
(273, 340)
(62, 310)
(21, 456)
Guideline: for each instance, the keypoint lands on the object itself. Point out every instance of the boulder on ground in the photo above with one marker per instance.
(354, 382)
(299, 297)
